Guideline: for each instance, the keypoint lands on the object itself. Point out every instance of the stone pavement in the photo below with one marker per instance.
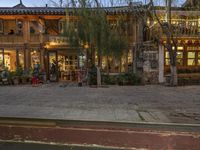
(152, 103)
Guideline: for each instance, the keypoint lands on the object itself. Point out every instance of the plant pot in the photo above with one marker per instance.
(16, 80)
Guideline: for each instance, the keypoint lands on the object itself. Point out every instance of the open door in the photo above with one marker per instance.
(53, 66)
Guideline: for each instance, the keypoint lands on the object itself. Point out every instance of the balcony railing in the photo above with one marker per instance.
(56, 40)
(36, 38)
(178, 31)
(11, 39)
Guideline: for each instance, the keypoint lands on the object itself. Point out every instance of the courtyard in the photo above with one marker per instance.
(151, 103)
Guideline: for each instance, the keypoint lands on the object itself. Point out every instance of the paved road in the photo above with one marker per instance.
(31, 146)
(151, 103)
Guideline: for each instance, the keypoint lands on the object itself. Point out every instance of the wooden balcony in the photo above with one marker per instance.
(11, 39)
(178, 31)
(56, 40)
(35, 38)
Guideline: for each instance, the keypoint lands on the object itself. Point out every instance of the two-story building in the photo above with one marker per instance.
(33, 35)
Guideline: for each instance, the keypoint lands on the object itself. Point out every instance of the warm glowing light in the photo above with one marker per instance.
(52, 43)
(180, 48)
(86, 46)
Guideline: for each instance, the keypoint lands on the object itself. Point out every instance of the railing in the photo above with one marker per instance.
(178, 31)
(56, 40)
(36, 38)
(4, 39)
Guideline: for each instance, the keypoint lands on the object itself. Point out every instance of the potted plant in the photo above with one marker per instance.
(17, 76)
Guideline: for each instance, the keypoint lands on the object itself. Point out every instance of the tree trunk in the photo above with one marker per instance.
(108, 65)
(98, 77)
(174, 78)
(99, 71)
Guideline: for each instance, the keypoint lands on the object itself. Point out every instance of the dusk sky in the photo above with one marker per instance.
(10, 3)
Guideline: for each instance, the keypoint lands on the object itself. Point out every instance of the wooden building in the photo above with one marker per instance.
(34, 35)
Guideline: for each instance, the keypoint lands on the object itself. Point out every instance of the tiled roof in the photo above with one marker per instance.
(32, 11)
(20, 9)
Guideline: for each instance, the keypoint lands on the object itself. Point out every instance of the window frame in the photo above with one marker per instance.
(1, 26)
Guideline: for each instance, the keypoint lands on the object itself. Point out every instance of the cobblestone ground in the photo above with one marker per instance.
(151, 103)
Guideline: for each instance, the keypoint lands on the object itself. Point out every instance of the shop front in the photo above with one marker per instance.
(11, 59)
(188, 58)
(62, 65)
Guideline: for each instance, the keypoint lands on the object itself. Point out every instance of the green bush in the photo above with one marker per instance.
(93, 76)
(121, 79)
(108, 80)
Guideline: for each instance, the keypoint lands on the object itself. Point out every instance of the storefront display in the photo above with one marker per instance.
(1, 59)
(10, 59)
(35, 57)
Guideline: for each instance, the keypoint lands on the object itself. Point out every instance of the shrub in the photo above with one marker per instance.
(93, 76)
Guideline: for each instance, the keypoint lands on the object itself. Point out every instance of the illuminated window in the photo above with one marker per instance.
(167, 60)
(179, 58)
(1, 59)
(21, 58)
(10, 59)
(191, 58)
(35, 58)
(179, 48)
(198, 58)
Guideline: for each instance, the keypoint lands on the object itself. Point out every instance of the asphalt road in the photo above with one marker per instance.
(32, 146)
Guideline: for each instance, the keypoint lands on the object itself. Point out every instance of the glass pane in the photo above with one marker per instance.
(35, 58)
(198, 62)
(191, 62)
(179, 62)
(21, 58)
(179, 55)
(167, 62)
(191, 54)
(52, 66)
(1, 59)
(1, 26)
(179, 48)
(198, 54)
(166, 54)
(10, 59)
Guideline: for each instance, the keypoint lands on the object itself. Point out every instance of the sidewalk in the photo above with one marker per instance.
(152, 103)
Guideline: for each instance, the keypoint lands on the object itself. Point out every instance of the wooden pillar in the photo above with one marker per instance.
(42, 57)
(27, 57)
(3, 57)
(26, 30)
(17, 58)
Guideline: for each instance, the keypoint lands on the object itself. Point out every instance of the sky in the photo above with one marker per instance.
(10, 3)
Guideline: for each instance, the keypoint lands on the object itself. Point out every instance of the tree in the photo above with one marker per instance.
(57, 3)
(89, 29)
(150, 11)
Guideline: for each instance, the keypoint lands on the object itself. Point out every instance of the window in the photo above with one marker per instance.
(35, 58)
(179, 58)
(1, 26)
(21, 58)
(198, 61)
(10, 59)
(1, 59)
(20, 27)
(191, 58)
(167, 60)
(61, 27)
